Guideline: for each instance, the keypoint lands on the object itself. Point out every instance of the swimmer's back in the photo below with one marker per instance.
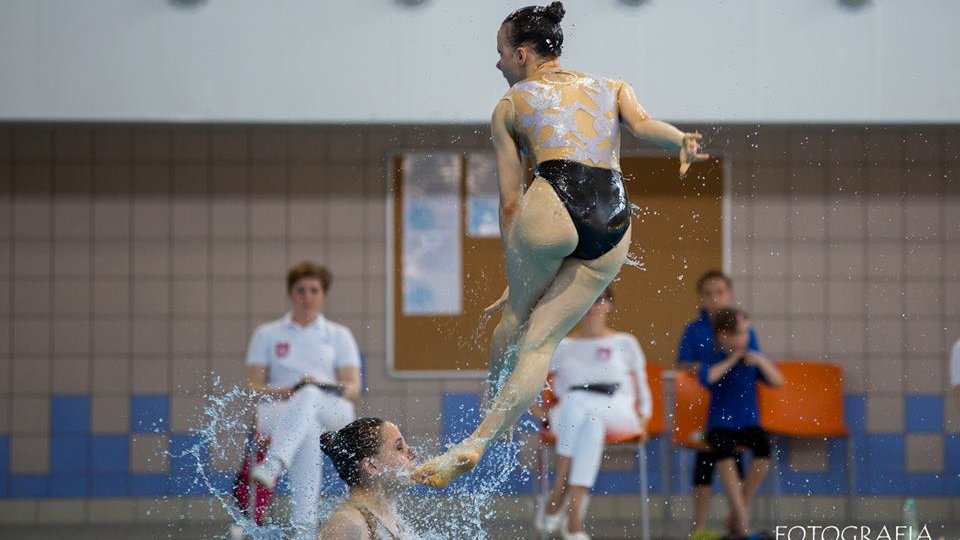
(568, 115)
(351, 522)
(345, 523)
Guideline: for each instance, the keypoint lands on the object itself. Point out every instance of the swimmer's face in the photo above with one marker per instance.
(737, 340)
(307, 296)
(395, 458)
(716, 295)
(510, 62)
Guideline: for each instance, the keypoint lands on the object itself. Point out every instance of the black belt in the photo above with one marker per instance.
(334, 389)
(600, 388)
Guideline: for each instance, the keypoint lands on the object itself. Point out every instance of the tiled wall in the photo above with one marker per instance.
(136, 260)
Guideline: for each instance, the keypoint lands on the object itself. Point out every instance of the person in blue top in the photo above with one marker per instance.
(731, 373)
(715, 292)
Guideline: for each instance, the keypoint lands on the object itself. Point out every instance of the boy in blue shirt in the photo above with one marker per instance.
(731, 374)
(715, 292)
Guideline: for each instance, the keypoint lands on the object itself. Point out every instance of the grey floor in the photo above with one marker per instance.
(217, 531)
(191, 531)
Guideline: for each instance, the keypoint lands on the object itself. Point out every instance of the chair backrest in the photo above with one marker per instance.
(658, 422)
(809, 404)
(691, 404)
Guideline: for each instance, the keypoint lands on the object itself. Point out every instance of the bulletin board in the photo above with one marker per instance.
(679, 232)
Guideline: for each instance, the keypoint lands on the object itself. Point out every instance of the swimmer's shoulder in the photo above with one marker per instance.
(610, 82)
(346, 523)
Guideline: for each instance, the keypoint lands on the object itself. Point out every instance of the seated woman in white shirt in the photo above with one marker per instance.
(305, 370)
(600, 380)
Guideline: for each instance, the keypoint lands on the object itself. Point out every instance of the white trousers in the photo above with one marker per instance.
(294, 427)
(580, 422)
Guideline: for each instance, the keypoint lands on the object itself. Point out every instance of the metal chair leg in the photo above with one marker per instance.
(774, 501)
(851, 477)
(644, 491)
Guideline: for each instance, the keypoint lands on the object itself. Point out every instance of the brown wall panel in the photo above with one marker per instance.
(677, 234)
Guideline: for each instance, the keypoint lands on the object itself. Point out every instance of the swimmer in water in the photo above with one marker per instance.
(567, 235)
(374, 460)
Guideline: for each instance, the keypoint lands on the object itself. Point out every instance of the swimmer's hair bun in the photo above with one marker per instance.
(555, 12)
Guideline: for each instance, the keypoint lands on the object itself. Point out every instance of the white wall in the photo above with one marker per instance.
(377, 60)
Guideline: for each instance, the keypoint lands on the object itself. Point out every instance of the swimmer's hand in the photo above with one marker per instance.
(690, 152)
(440, 471)
(497, 306)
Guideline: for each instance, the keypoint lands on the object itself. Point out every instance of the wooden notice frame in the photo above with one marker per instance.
(680, 230)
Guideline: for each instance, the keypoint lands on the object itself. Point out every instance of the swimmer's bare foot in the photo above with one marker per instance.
(440, 471)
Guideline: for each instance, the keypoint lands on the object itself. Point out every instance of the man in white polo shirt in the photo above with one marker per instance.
(306, 371)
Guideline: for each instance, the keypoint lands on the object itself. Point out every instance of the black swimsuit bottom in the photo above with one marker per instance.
(596, 201)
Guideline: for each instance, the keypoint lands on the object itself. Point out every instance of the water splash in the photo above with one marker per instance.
(466, 508)
(463, 510)
(634, 261)
(222, 437)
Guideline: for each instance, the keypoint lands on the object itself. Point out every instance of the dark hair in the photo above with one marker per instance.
(713, 274)
(727, 320)
(308, 269)
(537, 27)
(348, 447)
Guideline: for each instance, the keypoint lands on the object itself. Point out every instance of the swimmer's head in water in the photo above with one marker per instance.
(529, 34)
(368, 451)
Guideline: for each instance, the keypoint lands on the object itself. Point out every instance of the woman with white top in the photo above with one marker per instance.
(600, 380)
(305, 371)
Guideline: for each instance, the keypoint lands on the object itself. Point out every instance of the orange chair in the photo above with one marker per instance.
(691, 404)
(656, 426)
(808, 405)
(658, 420)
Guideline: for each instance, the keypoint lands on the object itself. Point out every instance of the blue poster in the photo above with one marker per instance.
(432, 252)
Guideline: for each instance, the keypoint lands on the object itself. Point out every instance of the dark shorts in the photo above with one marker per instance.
(724, 442)
(704, 464)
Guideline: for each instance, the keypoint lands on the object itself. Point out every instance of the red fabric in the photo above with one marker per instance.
(256, 448)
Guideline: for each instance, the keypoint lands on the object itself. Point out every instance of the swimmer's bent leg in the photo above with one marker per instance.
(576, 287)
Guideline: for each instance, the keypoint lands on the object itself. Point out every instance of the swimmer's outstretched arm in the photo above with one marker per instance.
(660, 133)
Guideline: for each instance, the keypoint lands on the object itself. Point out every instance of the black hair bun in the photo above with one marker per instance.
(555, 12)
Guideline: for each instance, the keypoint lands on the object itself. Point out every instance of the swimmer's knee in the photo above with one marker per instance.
(539, 346)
